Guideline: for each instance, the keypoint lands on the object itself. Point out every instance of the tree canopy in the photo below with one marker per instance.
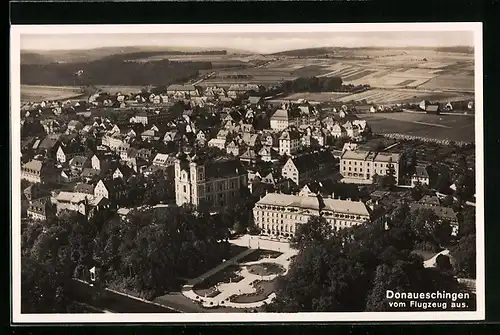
(351, 269)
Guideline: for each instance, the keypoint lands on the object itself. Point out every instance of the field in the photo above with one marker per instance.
(385, 96)
(320, 97)
(33, 93)
(450, 127)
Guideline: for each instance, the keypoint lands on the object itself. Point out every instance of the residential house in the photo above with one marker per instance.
(201, 138)
(444, 214)
(281, 214)
(421, 176)
(183, 91)
(249, 156)
(338, 131)
(117, 145)
(268, 154)
(66, 153)
(251, 140)
(429, 200)
(282, 119)
(74, 126)
(36, 171)
(68, 176)
(172, 136)
(217, 143)
(112, 189)
(40, 209)
(234, 149)
(309, 167)
(123, 172)
(101, 162)
(84, 188)
(289, 142)
(349, 146)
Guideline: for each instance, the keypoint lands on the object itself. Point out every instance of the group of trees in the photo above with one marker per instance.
(351, 269)
(464, 252)
(146, 256)
(313, 84)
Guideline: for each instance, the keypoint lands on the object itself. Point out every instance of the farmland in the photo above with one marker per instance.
(34, 93)
(385, 96)
(450, 127)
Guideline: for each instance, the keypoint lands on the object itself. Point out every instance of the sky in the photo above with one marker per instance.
(254, 42)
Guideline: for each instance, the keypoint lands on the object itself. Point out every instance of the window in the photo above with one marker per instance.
(349, 168)
(344, 168)
(360, 169)
(375, 164)
(355, 169)
(355, 163)
(349, 162)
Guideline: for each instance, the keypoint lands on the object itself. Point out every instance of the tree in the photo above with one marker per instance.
(467, 222)
(464, 254)
(316, 230)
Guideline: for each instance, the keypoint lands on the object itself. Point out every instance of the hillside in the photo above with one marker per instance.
(308, 52)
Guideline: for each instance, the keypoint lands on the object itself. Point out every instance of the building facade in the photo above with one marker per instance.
(363, 165)
(281, 214)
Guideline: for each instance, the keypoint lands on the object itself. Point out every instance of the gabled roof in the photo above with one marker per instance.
(429, 200)
(280, 114)
(84, 188)
(335, 205)
(223, 168)
(34, 165)
(421, 172)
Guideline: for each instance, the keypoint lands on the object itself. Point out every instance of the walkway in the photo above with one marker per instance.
(431, 262)
(244, 286)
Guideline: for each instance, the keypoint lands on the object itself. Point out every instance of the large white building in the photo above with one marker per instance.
(214, 183)
(280, 214)
(361, 166)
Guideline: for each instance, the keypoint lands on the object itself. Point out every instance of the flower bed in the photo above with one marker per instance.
(263, 289)
(266, 269)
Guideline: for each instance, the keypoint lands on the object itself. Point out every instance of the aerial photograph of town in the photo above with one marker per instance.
(233, 172)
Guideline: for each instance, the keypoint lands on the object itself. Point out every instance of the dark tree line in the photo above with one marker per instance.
(111, 71)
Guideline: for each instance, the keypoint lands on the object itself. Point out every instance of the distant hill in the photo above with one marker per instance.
(77, 56)
(306, 52)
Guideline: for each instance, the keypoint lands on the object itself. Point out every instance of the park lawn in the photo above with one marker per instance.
(260, 254)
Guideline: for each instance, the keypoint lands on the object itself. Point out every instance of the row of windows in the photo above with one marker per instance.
(263, 215)
(344, 162)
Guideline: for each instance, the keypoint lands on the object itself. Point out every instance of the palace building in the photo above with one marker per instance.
(280, 214)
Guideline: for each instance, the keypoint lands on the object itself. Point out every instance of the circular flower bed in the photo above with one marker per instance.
(266, 269)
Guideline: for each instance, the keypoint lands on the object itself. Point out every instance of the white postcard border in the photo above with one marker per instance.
(17, 317)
